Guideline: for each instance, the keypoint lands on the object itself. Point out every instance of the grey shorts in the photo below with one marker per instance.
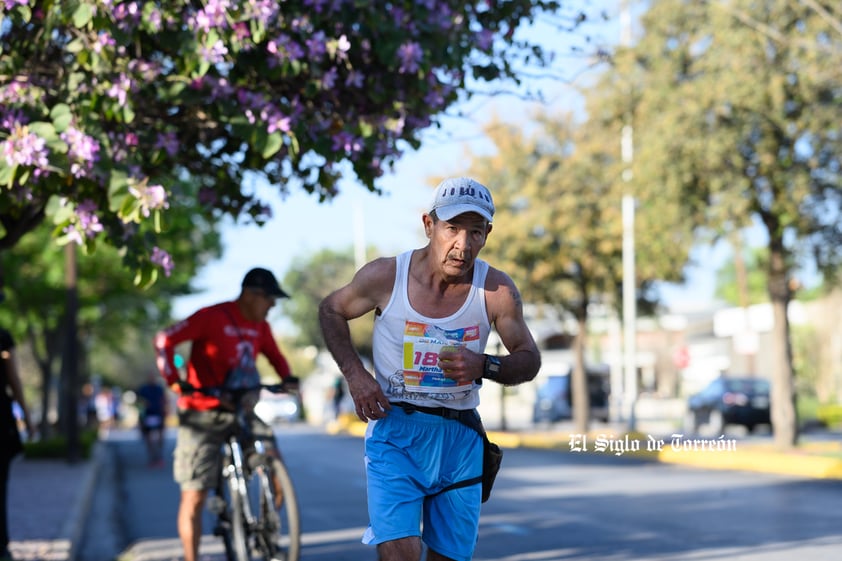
(197, 456)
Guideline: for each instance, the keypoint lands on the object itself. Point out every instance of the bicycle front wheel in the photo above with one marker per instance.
(279, 532)
(237, 545)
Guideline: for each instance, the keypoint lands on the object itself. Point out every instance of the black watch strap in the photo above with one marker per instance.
(491, 369)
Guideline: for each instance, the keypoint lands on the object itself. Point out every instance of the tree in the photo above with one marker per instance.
(111, 108)
(743, 126)
(309, 280)
(742, 281)
(116, 319)
(558, 228)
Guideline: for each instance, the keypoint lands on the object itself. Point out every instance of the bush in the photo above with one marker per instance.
(830, 414)
(55, 447)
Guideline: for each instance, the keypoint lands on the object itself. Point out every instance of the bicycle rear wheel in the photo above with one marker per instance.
(279, 532)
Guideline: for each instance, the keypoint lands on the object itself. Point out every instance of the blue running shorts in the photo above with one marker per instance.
(411, 456)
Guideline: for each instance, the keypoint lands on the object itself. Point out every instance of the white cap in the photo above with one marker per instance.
(458, 195)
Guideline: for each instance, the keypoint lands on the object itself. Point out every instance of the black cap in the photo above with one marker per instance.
(264, 280)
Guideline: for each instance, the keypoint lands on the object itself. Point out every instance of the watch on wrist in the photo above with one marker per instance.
(491, 369)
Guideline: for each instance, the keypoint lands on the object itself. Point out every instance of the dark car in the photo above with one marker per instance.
(729, 401)
(554, 401)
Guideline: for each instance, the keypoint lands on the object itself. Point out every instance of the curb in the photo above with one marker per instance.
(73, 528)
(713, 454)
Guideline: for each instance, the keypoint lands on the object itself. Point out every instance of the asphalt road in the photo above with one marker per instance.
(546, 506)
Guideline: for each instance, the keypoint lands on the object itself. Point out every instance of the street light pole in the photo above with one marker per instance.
(629, 280)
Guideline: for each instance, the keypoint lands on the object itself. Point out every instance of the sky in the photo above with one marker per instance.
(392, 222)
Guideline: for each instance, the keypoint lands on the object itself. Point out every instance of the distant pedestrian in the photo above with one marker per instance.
(104, 404)
(152, 408)
(338, 396)
(11, 444)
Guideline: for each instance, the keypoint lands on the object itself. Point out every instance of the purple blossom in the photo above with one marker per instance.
(329, 79)
(147, 71)
(434, 99)
(73, 234)
(119, 90)
(317, 5)
(12, 118)
(10, 4)
(220, 88)
(346, 142)
(284, 48)
(151, 197)
(276, 120)
(169, 142)
(261, 10)
(484, 39)
(120, 144)
(162, 259)
(215, 53)
(410, 55)
(103, 39)
(316, 45)
(355, 78)
(213, 15)
(16, 92)
(241, 31)
(154, 21)
(25, 149)
(82, 149)
(86, 223)
(127, 15)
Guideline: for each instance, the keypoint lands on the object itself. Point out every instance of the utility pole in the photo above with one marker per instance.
(629, 279)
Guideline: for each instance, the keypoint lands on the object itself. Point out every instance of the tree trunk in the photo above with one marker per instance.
(784, 419)
(579, 381)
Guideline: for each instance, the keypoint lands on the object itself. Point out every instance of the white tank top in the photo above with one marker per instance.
(406, 344)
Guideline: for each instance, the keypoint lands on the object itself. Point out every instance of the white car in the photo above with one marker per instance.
(278, 408)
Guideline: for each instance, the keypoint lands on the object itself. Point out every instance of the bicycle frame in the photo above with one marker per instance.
(247, 519)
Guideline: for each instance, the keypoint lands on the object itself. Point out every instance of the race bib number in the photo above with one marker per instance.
(422, 344)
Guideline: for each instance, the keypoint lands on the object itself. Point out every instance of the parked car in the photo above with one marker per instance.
(554, 401)
(278, 408)
(729, 400)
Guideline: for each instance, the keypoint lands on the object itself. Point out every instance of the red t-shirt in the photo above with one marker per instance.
(221, 339)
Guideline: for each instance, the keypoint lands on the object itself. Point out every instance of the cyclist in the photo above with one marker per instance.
(225, 341)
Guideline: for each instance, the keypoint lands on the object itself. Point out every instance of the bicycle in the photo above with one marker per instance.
(244, 501)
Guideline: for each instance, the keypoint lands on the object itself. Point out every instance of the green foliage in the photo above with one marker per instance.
(740, 121)
(558, 228)
(110, 110)
(728, 285)
(830, 414)
(116, 318)
(55, 447)
(309, 280)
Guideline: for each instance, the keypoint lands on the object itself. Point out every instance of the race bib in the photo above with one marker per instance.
(422, 344)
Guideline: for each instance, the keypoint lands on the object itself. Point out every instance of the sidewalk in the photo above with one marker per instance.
(48, 506)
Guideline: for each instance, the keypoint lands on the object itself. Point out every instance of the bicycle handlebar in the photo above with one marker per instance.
(220, 391)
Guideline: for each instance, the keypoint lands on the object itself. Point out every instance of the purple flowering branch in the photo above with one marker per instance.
(117, 106)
